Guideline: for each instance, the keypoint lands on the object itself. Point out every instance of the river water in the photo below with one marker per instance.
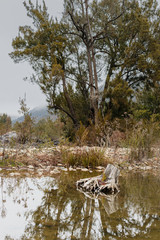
(49, 208)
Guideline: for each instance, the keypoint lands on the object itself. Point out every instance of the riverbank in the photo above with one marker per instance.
(49, 161)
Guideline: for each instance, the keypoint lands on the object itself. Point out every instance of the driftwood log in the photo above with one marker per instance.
(106, 183)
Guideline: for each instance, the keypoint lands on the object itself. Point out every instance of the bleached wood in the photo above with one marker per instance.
(107, 182)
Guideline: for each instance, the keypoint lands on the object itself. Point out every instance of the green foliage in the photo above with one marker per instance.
(148, 104)
(24, 129)
(81, 135)
(5, 124)
(10, 162)
(142, 114)
(46, 130)
(118, 98)
(92, 62)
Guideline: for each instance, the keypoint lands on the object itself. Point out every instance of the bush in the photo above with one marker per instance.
(47, 130)
(105, 134)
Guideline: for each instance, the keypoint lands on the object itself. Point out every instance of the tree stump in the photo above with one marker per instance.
(106, 183)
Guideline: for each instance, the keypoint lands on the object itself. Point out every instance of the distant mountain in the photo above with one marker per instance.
(37, 113)
(13, 117)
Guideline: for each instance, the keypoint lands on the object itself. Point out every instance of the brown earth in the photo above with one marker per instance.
(52, 158)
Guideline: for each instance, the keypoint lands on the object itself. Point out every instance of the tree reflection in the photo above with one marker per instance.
(2, 208)
(65, 213)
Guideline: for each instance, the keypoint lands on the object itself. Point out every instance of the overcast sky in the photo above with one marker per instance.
(12, 86)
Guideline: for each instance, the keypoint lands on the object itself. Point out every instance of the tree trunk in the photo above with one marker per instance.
(92, 67)
(68, 100)
(96, 85)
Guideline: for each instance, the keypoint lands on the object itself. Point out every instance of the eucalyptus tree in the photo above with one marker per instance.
(131, 50)
(91, 62)
(90, 26)
(50, 48)
(123, 37)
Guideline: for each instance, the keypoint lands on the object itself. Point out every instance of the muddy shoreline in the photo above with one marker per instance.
(48, 161)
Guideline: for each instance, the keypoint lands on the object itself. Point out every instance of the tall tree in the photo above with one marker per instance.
(84, 25)
(94, 59)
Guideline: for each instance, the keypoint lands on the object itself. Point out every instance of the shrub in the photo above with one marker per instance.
(105, 134)
(47, 130)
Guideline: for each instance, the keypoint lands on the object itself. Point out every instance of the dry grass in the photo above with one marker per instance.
(85, 158)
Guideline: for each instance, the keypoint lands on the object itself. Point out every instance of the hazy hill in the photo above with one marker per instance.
(37, 113)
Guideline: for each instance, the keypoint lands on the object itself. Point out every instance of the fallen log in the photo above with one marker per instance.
(106, 183)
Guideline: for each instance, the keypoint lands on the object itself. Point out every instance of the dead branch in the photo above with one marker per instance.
(106, 183)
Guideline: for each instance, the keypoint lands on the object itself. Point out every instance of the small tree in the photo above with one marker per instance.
(24, 129)
(5, 124)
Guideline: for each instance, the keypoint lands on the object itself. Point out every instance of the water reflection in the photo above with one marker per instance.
(52, 208)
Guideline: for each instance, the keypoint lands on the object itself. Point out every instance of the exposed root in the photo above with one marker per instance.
(105, 183)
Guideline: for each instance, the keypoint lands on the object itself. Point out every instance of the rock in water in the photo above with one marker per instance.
(105, 183)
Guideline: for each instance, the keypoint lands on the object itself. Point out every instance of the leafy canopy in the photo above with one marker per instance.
(94, 60)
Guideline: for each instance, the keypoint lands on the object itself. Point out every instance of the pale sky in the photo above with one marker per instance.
(12, 86)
